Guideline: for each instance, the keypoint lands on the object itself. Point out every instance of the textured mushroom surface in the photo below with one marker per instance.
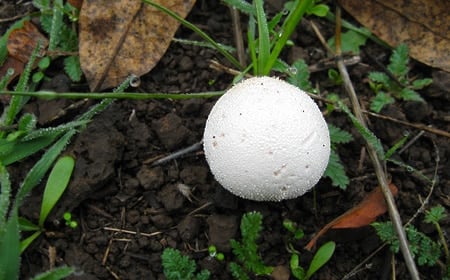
(266, 140)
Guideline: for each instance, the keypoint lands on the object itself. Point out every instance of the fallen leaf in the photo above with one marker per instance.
(422, 24)
(20, 44)
(123, 37)
(364, 213)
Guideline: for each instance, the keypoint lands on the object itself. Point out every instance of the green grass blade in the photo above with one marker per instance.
(10, 248)
(27, 241)
(322, 256)
(22, 150)
(57, 183)
(5, 195)
(27, 225)
(263, 37)
(196, 30)
(289, 25)
(241, 5)
(42, 166)
(55, 273)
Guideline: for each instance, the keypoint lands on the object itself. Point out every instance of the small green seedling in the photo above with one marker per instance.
(69, 222)
(335, 169)
(425, 250)
(321, 257)
(434, 216)
(397, 85)
(246, 251)
(179, 267)
(212, 250)
(57, 182)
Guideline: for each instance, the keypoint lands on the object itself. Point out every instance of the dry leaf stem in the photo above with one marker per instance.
(379, 171)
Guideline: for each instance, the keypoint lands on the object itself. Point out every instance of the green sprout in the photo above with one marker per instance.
(179, 267)
(396, 84)
(246, 251)
(212, 250)
(320, 258)
(67, 216)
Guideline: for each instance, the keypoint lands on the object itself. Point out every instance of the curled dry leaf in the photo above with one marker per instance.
(422, 24)
(20, 45)
(123, 37)
(364, 213)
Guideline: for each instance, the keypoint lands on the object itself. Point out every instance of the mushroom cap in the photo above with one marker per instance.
(266, 140)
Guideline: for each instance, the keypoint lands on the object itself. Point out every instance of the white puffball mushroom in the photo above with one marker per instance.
(266, 140)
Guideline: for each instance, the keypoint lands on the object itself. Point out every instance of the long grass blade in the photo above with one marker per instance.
(42, 166)
(287, 28)
(197, 30)
(5, 195)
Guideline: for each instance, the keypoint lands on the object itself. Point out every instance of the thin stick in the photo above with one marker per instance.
(133, 232)
(237, 32)
(379, 171)
(415, 125)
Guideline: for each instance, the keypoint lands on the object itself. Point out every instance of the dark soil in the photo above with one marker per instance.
(129, 210)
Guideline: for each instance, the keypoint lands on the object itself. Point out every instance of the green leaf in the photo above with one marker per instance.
(241, 5)
(38, 171)
(410, 95)
(289, 25)
(368, 135)
(421, 83)
(57, 183)
(322, 256)
(336, 172)
(296, 270)
(299, 75)
(339, 136)
(435, 214)
(10, 248)
(16, 151)
(379, 77)
(380, 100)
(237, 272)
(179, 267)
(27, 122)
(263, 35)
(319, 10)
(27, 241)
(55, 273)
(395, 147)
(5, 195)
(399, 61)
(351, 41)
(27, 225)
(73, 68)
(387, 234)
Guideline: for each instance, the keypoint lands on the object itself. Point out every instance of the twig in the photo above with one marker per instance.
(237, 32)
(415, 125)
(378, 167)
(195, 147)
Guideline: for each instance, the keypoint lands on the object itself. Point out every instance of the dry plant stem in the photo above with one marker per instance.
(415, 125)
(237, 32)
(379, 171)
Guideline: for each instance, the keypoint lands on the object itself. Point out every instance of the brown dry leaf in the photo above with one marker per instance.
(364, 213)
(424, 25)
(21, 44)
(123, 37)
